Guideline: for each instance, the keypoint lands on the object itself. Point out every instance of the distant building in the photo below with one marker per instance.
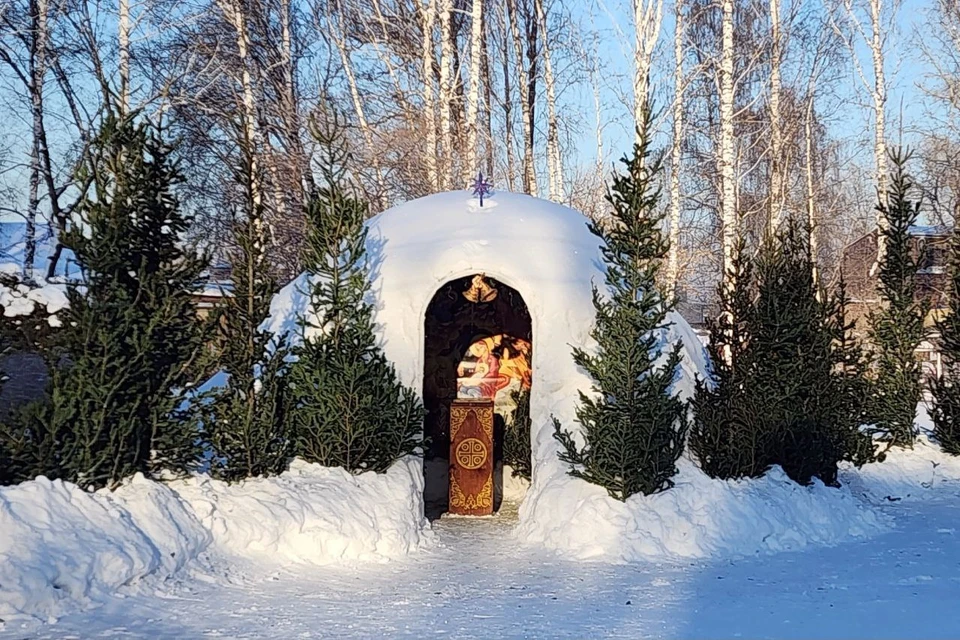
(25, 374)
(859, 266)
(214, 284)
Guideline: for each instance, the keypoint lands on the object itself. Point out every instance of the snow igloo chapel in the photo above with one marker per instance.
(476, 305)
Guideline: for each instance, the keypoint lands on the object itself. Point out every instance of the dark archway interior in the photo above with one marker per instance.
(452, 324)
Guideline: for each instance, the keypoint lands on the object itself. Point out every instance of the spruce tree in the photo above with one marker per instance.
(130, 334)
(897, 327)
(723, 434)
(245, 421)
(349, 408)
(632, 426)
(787, 385)
(946, 387)
(805, 373)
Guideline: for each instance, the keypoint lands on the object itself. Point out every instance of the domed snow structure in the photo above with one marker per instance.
(437, 320)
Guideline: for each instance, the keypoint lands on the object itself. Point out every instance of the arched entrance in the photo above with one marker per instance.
(477, 345)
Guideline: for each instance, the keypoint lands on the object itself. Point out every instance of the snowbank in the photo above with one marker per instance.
(908, 474)
(921, 473)
(63, 548)
(313, 514)
(699, 517)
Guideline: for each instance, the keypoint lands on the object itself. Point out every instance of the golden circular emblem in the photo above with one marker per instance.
(471, 453)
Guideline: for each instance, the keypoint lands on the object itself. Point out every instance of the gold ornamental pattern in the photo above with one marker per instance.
(459, 414)
(483, 500)
(471, 453)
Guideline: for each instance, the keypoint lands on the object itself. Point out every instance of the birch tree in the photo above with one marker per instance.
(473, 99)
(871, 32)
(236, 16)
(554, 160)
(446, 94)
(123, 52)
(676, 150)
(726, 153)
(647, 18)
(428, 14)
(526, 80)
(776, 134)
(36, 69)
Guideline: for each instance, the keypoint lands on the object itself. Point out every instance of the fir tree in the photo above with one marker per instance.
(897, 327)
(245, 421)
(349, 408)
(946, 387)
(790, 389)
(852, 396)
(633, 427)
(516, 437)
(806, 371)
(723, 434)
(130, 333)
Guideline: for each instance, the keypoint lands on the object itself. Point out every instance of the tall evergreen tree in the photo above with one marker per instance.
(723, 435)
(349, 408)
(791, 394)
(632, 426)
(852, 397)
(245, 421)
(897, 327)
(946, 387)
(808, 404)
(130, 333)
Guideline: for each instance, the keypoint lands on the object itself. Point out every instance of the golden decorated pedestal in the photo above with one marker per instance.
(471, 457)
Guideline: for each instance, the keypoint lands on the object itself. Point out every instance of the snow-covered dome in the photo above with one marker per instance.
(542, 250)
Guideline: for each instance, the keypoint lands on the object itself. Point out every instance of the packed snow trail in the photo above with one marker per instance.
(479, 583)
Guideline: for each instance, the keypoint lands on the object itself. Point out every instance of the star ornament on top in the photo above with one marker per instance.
(481, 187)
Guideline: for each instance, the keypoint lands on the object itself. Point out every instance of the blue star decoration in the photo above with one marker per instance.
(481, 187)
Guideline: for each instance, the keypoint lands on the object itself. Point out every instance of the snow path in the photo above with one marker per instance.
(479, 583)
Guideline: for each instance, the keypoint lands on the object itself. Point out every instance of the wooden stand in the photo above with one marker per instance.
(471, 457)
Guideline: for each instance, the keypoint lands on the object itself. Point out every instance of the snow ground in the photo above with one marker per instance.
(477, 582)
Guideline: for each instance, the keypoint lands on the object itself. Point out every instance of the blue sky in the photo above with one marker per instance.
(851, 122)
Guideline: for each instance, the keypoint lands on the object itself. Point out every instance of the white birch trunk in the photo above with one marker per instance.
(235, 15)
(123, 53)
(38, 72)
(473, 95)
(879, 109)
(429, 103)
(362, 122)
(446, 95)
(676, 153)
(291, 106)
(508, 100)
(598, 124)
(554, 161)
(776, 131)
(647, 17)
(726, 155)
(812, 240)
(529, 170)
(485, 79)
